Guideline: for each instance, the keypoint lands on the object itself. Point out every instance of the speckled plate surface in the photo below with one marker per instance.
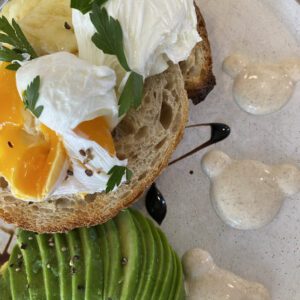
(263, 29)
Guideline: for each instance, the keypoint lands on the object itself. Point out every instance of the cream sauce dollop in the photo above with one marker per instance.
(261, 88)
(204, 280)
(248, 194)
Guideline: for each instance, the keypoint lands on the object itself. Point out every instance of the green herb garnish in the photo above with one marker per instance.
(109, 39)
(109, 35)
(116, 174)
(31, 96)
(132, 93)
(85, 6)
(18, 49)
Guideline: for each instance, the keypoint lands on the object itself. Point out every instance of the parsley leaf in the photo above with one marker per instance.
(132, 93)
(109, 39)
(31, 96)
(109, 35)
(19, 47)
(116, 174)
(85, 5)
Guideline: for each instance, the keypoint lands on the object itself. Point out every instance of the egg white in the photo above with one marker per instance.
(73, 91)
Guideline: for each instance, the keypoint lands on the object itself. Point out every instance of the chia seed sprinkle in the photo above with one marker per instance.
(89, 172)
(124, 261)
(82, 152)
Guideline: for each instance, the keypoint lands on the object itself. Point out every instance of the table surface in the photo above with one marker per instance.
(266, 30)
(262, 29)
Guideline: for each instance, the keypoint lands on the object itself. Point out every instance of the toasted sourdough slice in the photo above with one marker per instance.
(147, 137)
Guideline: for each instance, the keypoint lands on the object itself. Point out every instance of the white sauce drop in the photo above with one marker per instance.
(206, 281)
(261, 89)
(248, 194)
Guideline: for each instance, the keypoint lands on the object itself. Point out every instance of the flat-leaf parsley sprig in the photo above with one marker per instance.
(109, 39)
(116, 174)
(18, 48)
(31, 96)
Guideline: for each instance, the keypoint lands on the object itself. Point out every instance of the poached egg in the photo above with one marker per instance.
(154, 33)
(72, 135)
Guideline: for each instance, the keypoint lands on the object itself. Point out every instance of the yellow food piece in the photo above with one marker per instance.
(98, 131)
(43, 22)
(12, 109)
(30, 163)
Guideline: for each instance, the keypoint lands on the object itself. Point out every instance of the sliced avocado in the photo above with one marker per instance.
(104, 252)
(168, 267)
(174, 277)
(77, 265)
(49, 265)
(180, 292)
(5, 293)
(131, 254)
(93, 264)
(149, 266)
(18, 276)
(115, 258)
(159, 260)
(64, 269)
(33, 264)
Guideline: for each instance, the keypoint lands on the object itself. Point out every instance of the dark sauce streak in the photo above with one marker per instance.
(155, 202)
(219, 132)
(4, 257)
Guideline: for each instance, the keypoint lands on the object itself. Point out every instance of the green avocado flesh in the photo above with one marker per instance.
(127, 258)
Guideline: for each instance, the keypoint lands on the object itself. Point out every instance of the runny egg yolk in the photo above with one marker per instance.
(30, 163)
(12, 108)
(98, 131)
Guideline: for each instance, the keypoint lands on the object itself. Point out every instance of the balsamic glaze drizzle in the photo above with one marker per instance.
(4, 257)
(155, 202)
(219, 132)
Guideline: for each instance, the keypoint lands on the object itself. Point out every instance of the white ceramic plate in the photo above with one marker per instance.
(263, 29)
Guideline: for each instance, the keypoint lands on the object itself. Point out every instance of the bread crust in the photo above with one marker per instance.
(201, 82)
(35, 217)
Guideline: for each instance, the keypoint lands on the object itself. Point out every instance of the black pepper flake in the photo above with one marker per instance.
(76, 257)
(30, 203)
(89, 154)
(10, 145)
(70, 173)
(124, 261)
(23, 246)
(82, 152)
(11, 265)
(89, 172)
(191, 172)
(67, 26)
(80, 287)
